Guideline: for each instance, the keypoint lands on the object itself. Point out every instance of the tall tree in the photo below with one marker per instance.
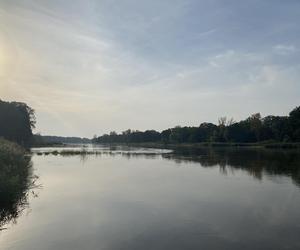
(294, 121)
(17, 120)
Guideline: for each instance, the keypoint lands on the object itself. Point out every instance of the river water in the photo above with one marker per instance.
(135, 198)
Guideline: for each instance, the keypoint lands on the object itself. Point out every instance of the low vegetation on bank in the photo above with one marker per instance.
(11, 154)
(16, 179)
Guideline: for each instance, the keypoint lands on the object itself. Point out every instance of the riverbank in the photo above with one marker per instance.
(92, 149)
(15, 180)
(270, 145)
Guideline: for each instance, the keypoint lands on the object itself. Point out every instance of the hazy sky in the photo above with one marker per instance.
(89, 67)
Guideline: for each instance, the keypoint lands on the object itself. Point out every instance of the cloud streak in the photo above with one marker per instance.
(94, 66)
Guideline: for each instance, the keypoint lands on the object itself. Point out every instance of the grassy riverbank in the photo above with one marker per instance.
(15, 180)
(11, 154)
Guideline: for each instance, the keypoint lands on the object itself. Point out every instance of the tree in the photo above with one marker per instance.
(255, 125)
(253, 129)
(222, 133)
(165, 135)
(275, 128)
(17, 120)
(294, 122)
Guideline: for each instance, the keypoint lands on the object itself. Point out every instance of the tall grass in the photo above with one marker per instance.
(16, 179)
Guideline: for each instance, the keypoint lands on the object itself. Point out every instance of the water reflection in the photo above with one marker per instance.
(145, 199)
(17, 181)
(256, 162)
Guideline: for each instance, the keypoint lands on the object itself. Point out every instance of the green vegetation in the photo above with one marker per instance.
(255, 130)
(15, 180)
(17, 122)
(44, 140)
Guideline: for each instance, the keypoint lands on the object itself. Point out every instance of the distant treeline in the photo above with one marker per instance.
(251, 130)
(46, 139)
(16, 122)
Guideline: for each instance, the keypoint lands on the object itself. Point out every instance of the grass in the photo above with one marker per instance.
(16, 179)
(69, 152)
(11, 154)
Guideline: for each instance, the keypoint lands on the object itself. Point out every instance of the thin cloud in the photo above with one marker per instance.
(284, 49)
(148, 64)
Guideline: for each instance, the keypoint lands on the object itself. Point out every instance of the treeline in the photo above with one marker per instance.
(47, 139)
(251, 130)
(17, 120)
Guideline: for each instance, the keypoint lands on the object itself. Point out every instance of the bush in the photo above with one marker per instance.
(15, 180)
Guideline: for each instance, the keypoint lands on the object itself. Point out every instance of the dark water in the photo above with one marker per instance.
(144, 199)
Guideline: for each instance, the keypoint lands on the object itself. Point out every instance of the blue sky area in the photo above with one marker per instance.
(90, 67)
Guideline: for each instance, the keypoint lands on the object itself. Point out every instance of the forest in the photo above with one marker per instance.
(18, 119)
(254, 129)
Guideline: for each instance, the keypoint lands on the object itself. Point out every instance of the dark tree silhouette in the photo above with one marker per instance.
(251, 130)
(294, 122)
(17, 120)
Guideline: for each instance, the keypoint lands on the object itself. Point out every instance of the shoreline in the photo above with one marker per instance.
(263, 145)
(266, 145)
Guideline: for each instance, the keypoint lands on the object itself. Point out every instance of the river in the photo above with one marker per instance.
(136, 198)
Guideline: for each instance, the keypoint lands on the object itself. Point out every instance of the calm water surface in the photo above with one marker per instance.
(152, 199)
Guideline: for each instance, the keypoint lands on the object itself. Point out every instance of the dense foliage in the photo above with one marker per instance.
(50, 140)
(16, 122)
(15, 180)
(253, 129)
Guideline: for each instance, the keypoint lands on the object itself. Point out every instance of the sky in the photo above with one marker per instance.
(91, 67)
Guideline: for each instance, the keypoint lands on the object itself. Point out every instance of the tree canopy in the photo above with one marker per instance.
(17, 120)
(253, 129)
